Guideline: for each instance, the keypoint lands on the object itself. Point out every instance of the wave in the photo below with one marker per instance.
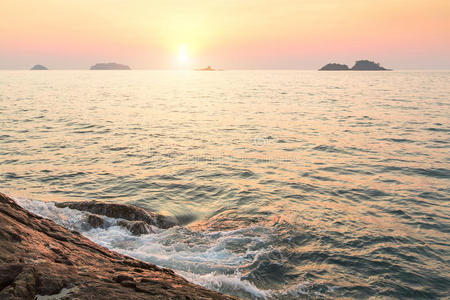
(210, 259)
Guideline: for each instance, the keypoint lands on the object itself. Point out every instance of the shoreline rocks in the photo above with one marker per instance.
(39, 258)
(135, 227)
(122, 211)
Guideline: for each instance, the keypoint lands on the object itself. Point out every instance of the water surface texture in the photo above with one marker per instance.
(290, 184)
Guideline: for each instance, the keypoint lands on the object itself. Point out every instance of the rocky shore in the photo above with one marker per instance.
(137, 220)
(39, 258)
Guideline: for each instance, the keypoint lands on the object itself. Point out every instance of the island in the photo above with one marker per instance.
(208, 68)
(367, 65)
(39, 67)
(109, 66)
(40, 259)
(334, 67)
(360, 65)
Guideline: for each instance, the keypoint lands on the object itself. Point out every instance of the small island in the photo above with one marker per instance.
(334, 67)
(109, 66)
(360, 65)
(208, 68)
(39, 67)
(367, 65)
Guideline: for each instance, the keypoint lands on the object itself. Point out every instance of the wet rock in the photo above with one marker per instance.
(136, 227)
(96, 221)
(48, 259)
(122, 211)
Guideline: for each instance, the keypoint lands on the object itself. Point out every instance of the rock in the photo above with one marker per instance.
(95, 221)
(39, 67)
(122, 211)
(130, 284)
(334, 67)
(49, 259)
(8, 274)
(123, 277)
(136, 227)
(109, 66)
(367, 65)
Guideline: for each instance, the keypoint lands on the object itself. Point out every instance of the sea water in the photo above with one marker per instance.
(288, 184)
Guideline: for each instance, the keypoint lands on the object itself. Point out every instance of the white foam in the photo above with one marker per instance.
(66, 217)
(210, 259)
(229, 284)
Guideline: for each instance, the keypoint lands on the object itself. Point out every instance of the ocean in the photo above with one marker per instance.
(287, 184)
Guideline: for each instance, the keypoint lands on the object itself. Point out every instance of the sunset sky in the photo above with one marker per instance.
(230, 34)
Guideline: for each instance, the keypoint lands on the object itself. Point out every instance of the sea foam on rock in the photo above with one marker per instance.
(39, 257)
(205, 257)
(122, 211)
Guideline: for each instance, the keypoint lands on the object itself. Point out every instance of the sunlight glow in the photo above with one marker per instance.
(183, 57)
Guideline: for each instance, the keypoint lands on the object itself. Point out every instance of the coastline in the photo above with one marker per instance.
(39, 258)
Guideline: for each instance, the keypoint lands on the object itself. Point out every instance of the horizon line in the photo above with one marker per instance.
(221, 70)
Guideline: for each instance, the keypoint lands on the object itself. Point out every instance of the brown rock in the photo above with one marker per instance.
(123, 211)
(8, 274)
(128, 283)
(95, 221)
(123, 277)
(136, 227)
(39, 257)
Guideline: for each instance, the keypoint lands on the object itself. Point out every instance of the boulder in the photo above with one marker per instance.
(136, 227)
(122, 211)
(95, 221)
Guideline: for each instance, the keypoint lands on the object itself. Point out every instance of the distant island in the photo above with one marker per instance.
(109, 66)
(367, 65)
(334, 67)
(39, 67)
(208, 68)
(360, 65)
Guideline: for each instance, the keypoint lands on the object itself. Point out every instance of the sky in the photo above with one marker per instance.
(228, 34)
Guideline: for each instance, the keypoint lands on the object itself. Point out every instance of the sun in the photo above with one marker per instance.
(183, 57)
